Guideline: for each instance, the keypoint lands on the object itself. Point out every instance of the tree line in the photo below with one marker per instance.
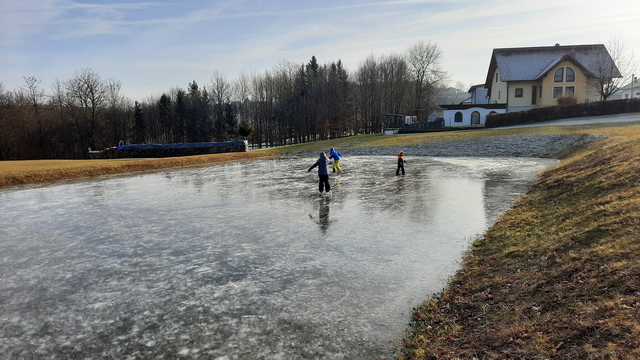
(290, 103)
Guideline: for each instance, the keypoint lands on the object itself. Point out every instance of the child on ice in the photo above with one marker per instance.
(335, 156)
(323, 175)
(401, 162)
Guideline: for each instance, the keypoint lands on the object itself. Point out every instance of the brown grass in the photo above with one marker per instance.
(557, 276)
(39, 171)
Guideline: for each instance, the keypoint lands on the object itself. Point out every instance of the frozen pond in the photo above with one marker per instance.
(240, 261)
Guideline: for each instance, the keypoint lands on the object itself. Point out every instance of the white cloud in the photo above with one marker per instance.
(157, 45)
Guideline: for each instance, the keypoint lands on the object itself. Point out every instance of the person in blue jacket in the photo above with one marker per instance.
(335, 156)
(323, 175)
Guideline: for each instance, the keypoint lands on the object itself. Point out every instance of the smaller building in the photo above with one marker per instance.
(630, 91)
(469, 114)
(479, 94)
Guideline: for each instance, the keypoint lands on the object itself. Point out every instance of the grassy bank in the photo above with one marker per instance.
(557, 276)
(41, 171)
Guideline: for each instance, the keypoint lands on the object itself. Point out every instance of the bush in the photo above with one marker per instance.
(565, 100)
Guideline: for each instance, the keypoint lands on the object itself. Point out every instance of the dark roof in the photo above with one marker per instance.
(531, 63)
(479, 86)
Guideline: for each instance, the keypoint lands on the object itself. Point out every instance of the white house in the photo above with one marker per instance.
(631, 90)
(472, 111)
(468, 114)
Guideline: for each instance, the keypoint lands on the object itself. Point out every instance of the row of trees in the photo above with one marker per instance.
(289, 103)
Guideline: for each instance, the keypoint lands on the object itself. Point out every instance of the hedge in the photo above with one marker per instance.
(562, 112)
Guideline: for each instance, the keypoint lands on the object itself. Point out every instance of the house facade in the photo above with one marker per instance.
(468, 114)
(472, 111)
(525, 78)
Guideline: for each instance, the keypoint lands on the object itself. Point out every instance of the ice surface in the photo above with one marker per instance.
(241, 260)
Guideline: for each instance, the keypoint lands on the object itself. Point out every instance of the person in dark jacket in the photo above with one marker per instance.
(401, 162)
(323, 175)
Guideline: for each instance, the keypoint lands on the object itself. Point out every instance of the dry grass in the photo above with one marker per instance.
(39, 171)
(557, 276)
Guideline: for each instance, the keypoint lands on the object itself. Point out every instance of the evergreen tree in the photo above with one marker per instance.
(138, 124)
(166, 117)
(180, 107)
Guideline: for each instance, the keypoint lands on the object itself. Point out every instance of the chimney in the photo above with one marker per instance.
(572, 53)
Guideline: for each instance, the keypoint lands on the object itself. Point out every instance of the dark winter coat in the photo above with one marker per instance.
(322, 165)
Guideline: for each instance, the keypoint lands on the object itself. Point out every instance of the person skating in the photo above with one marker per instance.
(323, 175)
(401, 162)
(335, 156)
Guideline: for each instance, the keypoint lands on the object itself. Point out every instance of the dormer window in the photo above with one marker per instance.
(559, 75)
(571, 76)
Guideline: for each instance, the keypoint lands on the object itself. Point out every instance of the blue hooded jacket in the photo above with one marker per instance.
(334, 154)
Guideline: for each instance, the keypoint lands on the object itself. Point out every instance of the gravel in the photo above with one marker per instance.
(534, 145)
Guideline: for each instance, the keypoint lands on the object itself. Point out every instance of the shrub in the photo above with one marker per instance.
(564, 111)
(565, 100)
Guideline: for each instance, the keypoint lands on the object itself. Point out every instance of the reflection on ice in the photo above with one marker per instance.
(240, 260)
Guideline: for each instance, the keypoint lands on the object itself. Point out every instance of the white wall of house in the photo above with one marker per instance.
(479, 96)
(465, 116)
(631, 91)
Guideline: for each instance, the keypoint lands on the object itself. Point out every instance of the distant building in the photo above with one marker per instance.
(468, 114)
(630, 91)
(472, 111)
(530, 77)
(479, 94)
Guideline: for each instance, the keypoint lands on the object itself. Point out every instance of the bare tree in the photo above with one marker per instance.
(87, 95)
(428, 77)
(35, 97)
(221, 93)
(115, 119)
(395, 88)
(367, 96)
(612, 69)
(240, 91)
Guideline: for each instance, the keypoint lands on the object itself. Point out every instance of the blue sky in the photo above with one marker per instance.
(156, 45)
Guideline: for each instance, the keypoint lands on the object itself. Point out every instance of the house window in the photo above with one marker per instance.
(570, 76)
(498, 95)
(519, 92)
(496, 77)
(458, 117)
(559, 75)
(557, 91)
(534, 94)
(569, 90)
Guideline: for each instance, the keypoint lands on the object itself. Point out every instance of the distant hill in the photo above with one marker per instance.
(451, 95)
